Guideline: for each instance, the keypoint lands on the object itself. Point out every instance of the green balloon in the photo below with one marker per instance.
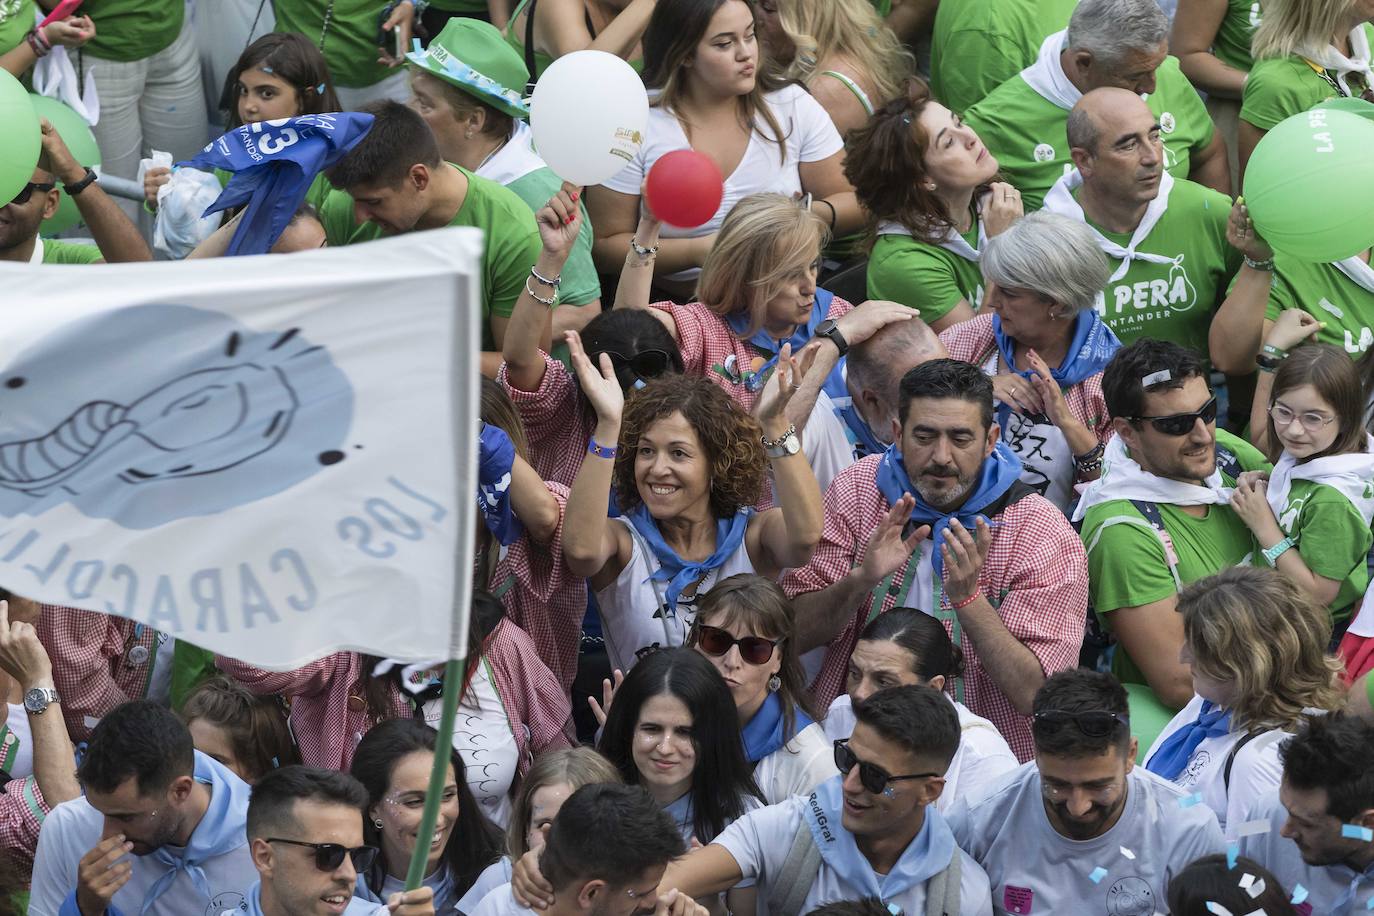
(74, 131)
(1148, 716)
(1353, 105)
(20, 138)
(1309, 185)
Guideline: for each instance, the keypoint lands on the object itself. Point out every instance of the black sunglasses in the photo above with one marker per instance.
(1095, 723)
(27, 191)
(1180, 424)
(329, 856)
(716, 642)
(645, 363)
(873, 777)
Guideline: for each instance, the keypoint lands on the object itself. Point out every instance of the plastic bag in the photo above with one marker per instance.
(180, 203)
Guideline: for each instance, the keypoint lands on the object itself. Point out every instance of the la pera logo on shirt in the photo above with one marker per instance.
(1149, 300)
(227, 904)
(1130, 896)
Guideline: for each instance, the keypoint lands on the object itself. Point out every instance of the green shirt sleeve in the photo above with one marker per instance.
(1276, 89)
(1333, 538)
(969, 64)
(508, 262)
(904, 270)
(580, 282)
(336, 214)
(1127, 566)
(58, 252)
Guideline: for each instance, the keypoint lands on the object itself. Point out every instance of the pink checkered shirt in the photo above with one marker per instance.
(329, 717)
(1035, 575)
(558, 422)
(91, 667)
(22, 810)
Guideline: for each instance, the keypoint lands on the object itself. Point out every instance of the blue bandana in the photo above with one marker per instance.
(496, 458)
(1173, 755)
(865, 442)
(763, 734)
(674, 570)
(1093, 346)
(1000, 470)
(739, 323)
(274, 163)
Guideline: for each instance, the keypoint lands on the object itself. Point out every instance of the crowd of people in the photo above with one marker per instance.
(1034, 582)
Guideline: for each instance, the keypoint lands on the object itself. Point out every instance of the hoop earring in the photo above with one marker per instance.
(774, 684)
(377, 822)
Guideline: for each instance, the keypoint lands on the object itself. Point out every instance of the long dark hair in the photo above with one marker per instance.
(722, 777)
(475, 841)
(295, 61)
(932, 652)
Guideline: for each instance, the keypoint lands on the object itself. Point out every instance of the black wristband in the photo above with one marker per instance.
(75, 189)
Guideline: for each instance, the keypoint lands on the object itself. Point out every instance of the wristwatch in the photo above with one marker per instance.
(38, 699)
(784, 445)
(78, 187)
(829, 329)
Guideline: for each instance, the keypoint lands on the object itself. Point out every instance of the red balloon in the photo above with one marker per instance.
(684, 188)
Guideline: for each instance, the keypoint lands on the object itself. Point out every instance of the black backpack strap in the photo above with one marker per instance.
(1231, 757)
(1227, 462)
(529, 47)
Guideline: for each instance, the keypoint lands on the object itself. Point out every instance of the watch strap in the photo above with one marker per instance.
(75, 189)
(830, 330)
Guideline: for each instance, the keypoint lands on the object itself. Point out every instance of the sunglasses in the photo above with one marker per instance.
(1180, 424)
(645, 363)
(871, 776)
(27, 191)
(716, 642)
(1095, 723)
(329, 856)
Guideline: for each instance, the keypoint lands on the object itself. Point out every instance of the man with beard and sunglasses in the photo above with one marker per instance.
(305, 834)
(1159, 518)
(1004, 572)
(1082, 830)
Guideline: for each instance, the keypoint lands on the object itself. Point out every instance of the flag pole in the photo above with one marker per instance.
(467, 334)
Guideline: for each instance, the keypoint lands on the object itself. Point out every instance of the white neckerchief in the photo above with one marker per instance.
(951, 240)
(1047, 77)
(37, 256)
(1122, 478)
(1060, 200)
(1351, 475)
(55, 77)
(1358, 271)
(1336, 63)
(514, 160)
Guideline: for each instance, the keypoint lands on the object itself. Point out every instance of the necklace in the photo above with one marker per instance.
(500, 146)
(328, 17)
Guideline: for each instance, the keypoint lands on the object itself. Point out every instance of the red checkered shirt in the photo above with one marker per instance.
(22, 810)
(544, 597)
(558, 422)
(1035, 575)
(90, 662)
(329, 717)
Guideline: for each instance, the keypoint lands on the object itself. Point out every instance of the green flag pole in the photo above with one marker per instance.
(438, 774)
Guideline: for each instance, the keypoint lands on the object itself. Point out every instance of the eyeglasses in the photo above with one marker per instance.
(329, 856)
(1180, 424)
(645, 363)
(716, 642)
(873, 777)
(27, 191)
(1311, 420)
(1095, 723)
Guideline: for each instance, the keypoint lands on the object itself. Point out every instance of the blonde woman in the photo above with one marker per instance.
(1305, 52)
(840, 50)
(1257, 646)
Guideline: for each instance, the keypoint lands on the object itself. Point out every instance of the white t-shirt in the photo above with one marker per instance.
(632, 612)
(490, 880)
(808, 136)
(760, 840)
(1035, 869)
(1255, 771)
(1046, 458)
(983, 756)
(482, 736)
(1329, 887)
(16, 748)
(798, 767)
(500, 902)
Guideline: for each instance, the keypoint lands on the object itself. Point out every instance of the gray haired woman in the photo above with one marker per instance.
(1040, 338)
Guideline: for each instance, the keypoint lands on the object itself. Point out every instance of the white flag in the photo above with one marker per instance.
(270, 457)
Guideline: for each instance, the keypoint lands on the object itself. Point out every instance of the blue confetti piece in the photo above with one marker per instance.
(1232, 853)
(1189, 800)
(1356, 832)
(416, 46)
(1299, 894)
(1097, 875)
(1369, 904)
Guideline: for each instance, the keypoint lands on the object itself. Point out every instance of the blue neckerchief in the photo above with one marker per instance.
(763, 734)
(739, 323)
(1093, 346)
(865, 442)
(928, 853)
(1173, 755)
(274, 163)
(1000, 470)
(496, 458)
(221, 830)
(674, 570)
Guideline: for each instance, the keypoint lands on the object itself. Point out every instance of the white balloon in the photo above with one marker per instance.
(588, 114)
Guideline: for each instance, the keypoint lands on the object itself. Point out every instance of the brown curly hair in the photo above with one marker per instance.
(729, 435)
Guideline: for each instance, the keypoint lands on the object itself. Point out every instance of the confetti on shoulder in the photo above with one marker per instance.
(1097, 874)
(1217, 909)
(1356, 832)
(1253, 828)
(1299, 894)
(1127, 853)
(1188, 801)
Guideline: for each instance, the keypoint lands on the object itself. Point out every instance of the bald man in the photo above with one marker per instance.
(1164, 236)
(873, 371)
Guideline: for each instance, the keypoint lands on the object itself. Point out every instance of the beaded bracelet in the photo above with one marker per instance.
(555, 282)
(641, 250)
(549, 302)
(967, 601)
(38, 42)
(600, 451)
(1267, 265)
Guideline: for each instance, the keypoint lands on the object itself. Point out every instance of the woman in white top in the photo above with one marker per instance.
(687, 467)
(1257, 646)
(746, 628)
(702, 61)
(909, 647)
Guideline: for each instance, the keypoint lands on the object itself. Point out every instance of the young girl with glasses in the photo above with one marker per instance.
(1311, 515)
(746, 629)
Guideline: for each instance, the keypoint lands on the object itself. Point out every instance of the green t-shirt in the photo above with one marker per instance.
(1025, 130)
(1324, 292)
(1127, 564)
(128, 30)
(924, 276)
(350, 41)
(16, 18)
(1232, 44)
(979, 44)
(1332, 538)
(512, 240)
(580, 282)
(1279, 87)
(1174, 301)
(58, 252)
(882, 6)
(460, 6)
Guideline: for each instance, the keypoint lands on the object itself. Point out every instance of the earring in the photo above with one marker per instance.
(467, 135)
(774, 684)
(377, 822)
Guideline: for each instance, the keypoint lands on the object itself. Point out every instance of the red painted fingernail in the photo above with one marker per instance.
(574, 197)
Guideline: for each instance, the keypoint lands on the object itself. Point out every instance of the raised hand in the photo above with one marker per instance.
(1243, 236)
(867, 319)
(560, 220)
(887, 550)
(608, 688)
(1001, 207)
(599, 384)
(22, 656)
(101, 873)
(964, 555)
(1291, 328)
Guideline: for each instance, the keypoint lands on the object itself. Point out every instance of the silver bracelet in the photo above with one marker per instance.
(1267, 265)
(555, 282)
(550, 302)
(641, 250)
